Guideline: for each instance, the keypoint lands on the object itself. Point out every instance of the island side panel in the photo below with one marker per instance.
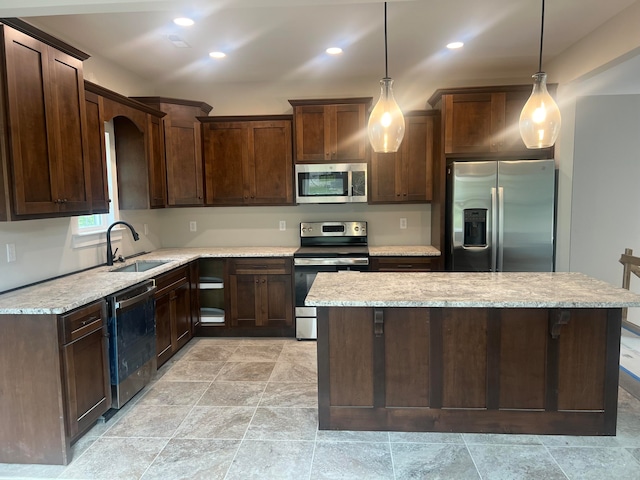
(527, 363)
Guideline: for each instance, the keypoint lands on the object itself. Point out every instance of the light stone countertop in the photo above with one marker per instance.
(66, 293)
(404, 251)
(457, 289)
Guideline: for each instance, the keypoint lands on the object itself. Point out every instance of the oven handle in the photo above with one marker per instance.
(119, 305)
(329, 261)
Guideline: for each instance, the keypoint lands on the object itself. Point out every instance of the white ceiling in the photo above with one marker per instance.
(270, 40)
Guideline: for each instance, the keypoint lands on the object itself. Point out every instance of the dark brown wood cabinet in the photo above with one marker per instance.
(491, 370)
(139, 148)
(401, 264)
(43, 145)
(407, 175)
(248, 160)
(484, 120)
(261, 294)
(183, 148)
(55, 382)
(331, 130)
(85, 363)
(173, 312)
(96, 152)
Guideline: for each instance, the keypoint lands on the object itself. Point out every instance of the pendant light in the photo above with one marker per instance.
(540, 117)
(386, 123)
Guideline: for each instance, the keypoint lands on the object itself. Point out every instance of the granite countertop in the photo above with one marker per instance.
(457, 289)
(404, 251)
(66, 293)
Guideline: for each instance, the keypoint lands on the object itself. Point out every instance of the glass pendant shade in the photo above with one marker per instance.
(386, 122)
(540, 117)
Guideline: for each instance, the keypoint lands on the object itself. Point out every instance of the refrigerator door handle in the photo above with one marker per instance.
(494, 229)
(500, 229)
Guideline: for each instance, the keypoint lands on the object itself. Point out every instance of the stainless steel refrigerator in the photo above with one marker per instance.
(500, 216)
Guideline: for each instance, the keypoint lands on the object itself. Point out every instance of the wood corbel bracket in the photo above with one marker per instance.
(378, 322)
(561, 317)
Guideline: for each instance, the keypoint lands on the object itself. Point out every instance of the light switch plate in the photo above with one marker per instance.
(193, 226)
(403, 223)
(283, 225)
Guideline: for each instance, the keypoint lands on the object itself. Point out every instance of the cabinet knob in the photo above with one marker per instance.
(264, 281)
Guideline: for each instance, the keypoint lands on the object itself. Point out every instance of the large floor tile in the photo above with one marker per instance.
(596, 463)
(19, 470)
(246, 371)
(193, 371)
(188, 459)
(270, 423)
(351, 436)
(425, 437)
(210, 352)
(294, 372)
(290, 395)
(272, 460)
(300, 352)
(256, 353)
(432, 461)
(233, 394)
(352, 460)
(149, 421)
(216, 422)
(174, 393)
(515, 462)
(500, 439)
(115, 459)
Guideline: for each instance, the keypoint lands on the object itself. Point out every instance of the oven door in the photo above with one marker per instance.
(305, 271)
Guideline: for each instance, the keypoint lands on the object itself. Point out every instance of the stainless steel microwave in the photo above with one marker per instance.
(331, 183)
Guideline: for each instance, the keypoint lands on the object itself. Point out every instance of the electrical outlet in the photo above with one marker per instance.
(193, 226)
(403, 223)
(283, 225)
(11, 252)
(145, 228)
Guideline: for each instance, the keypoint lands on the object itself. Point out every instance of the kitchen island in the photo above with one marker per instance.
(530, 353)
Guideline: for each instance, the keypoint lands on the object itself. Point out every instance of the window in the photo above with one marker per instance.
(88, 228)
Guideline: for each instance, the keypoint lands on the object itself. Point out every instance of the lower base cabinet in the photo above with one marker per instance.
(173, 313)
(401, 264)
(54, 382)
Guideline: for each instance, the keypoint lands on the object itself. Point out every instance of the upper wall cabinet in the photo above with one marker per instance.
(183, 148)
(248, 160)
(484, 120)
(407, 175)
(42, 127)
(331, 130)
(139, 146)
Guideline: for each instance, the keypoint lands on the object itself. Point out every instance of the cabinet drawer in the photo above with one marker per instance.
(171, 280)
(400, 264)
(83, 321)
(253, 266)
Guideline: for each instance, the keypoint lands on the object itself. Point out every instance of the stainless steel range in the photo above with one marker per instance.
(325, 247)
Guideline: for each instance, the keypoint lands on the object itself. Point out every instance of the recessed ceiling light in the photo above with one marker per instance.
(454, 45)
(183, 21)
(217, 54)
(334, 50)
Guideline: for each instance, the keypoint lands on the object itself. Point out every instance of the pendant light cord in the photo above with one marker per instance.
(541, 36)
(386, 64)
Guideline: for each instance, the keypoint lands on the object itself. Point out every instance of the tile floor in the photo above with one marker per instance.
(245, 409)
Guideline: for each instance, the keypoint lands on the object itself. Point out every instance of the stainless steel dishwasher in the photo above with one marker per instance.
(132, 341)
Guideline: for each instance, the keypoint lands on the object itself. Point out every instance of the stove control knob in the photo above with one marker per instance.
(357, 228)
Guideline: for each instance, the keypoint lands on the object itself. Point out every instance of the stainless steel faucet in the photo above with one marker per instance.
(136, 237)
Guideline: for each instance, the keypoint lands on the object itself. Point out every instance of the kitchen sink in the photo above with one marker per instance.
(140, 266)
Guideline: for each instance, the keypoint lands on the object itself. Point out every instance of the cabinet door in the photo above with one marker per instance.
(181, 312)
(85, 361)
(511, 140)
(400, 264)
(66, 121)
(471, 120)
(225, 154)
(157, 169)
(313, 127)
(417, 159)
(386, 177)
(32, 147)
(244, 300)
(96, 149)
(277, 293)
(163, 328)
(270, 166)
(349, 132)
(184, 162)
